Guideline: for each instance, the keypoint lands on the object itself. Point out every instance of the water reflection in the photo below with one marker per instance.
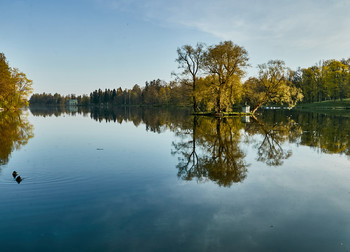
(274, 132)
(15, 131)
(212, 152)
(156, 119)
(327, 133)
(329, 136)
(283, 194)
(211, 149)
(45, 111)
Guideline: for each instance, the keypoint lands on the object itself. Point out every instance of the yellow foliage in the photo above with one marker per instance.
(15, 87)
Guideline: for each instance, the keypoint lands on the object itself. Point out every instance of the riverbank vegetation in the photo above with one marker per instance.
(216, 76)
(331, 106)
(213, 79)
(325, 81)
(154, 93)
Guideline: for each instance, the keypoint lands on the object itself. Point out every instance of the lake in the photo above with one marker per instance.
(133, 179)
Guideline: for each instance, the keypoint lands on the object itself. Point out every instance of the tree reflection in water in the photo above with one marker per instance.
(274, 133)
(213, 152)
(210, 148)
(15, 131)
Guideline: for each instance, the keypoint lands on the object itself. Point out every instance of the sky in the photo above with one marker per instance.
(77, 46)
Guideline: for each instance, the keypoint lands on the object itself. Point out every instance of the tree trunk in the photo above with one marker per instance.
(256, 108)
(194, 95)
(218, 101)
(194, 104)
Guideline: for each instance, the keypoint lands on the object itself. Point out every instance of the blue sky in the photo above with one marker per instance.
(77, 46)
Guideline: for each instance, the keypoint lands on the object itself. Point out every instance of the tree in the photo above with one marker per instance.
(6, 81)
(136, 94)
(14, 86)
(309, 83)
(211, 151)
(272, 85)
(191, 60)
(225, 62)
(337, 75)
(119, 97)
(23, 88)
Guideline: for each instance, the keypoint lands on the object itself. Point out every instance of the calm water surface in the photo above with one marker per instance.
(155, 180)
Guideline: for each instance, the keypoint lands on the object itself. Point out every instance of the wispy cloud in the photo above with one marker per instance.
(298, 31)
(300, 23)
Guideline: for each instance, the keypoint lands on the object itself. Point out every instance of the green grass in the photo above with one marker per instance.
(326, 105)
(337, 107)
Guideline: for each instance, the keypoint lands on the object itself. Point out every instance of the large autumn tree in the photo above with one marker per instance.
(15, 87)
(225, 63)
(273, 85)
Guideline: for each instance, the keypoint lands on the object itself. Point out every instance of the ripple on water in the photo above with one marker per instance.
(41, 182)
(46, 192)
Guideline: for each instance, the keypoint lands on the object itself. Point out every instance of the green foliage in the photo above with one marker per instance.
(272, 86)
(225, 64)
(57, 99)
(210, 81)
(214, 74)
(329, 80)
(155, 93)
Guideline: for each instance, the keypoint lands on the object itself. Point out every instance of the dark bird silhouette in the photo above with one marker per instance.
(19, 179)
(14, 174)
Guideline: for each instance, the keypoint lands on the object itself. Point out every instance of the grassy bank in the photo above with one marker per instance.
(337, 107)
(326, 105)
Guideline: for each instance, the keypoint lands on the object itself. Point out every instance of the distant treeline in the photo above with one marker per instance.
(155, 92)
(57, 99)
(328, 80)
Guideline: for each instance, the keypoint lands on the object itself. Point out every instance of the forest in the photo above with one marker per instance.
(209, 79)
